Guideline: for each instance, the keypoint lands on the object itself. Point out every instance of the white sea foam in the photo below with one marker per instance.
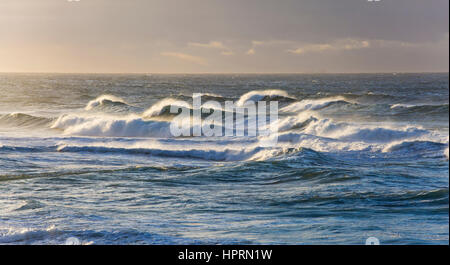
(364, 133)
(23, 234)
(309, 130)
(241, 149)
(109, 126)
(322, 144)
(402, 106)
(300, 121)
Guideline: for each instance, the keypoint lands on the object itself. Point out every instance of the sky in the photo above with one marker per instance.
(224, 36)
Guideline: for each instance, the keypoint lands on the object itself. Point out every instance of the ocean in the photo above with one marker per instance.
(91, 156)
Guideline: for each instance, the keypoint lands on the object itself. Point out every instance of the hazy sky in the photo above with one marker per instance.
(220, 36)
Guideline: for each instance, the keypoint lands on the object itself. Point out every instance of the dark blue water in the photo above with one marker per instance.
(357, 156)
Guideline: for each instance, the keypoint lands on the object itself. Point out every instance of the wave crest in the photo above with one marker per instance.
(163, 106)
(24, 120)
(260, 95)
(105, 100)
(314, 104)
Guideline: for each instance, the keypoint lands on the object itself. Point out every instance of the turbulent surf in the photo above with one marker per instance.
(101, 153)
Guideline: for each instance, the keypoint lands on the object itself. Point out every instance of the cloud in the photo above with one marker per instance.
(186, 57)
(252, 50)
(227, 53)
(213, 45)
(397, 44)
(338, 45)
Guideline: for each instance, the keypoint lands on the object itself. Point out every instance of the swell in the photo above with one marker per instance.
(249, 153)
(338, 104)
(402, 109)
(375, 98)
(202, 154)
(438, 197)
(204, 97)
(24, 120)
(290, 146)
(13, 176)
(53, 235)
(315, 104)
(414, 146)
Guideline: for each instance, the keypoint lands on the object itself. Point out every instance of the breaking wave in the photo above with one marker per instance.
(130, 126)
(301, 126)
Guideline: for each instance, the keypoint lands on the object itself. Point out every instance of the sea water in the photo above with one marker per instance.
(92, 157)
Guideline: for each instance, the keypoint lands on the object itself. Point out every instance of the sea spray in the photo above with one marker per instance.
(237, 115)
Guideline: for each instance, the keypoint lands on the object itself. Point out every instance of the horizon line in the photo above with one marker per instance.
(227, 73)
